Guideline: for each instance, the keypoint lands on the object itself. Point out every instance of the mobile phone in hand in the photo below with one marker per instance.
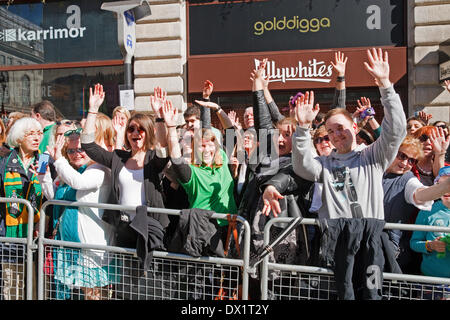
(43, 162)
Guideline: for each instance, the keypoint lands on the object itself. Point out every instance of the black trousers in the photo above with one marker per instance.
(353, 249)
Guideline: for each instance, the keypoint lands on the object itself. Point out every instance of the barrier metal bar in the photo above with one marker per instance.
(244, 263)
(266, 265)
(29, 243)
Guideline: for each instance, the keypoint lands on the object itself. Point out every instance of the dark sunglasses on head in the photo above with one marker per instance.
(321, 139)
(401, 156)
(77, 150)
(74, 131)
(424, 138)
(131, 129)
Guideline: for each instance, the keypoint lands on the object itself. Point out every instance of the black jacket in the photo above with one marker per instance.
(116, 160)
(150, 236)
(196, 234)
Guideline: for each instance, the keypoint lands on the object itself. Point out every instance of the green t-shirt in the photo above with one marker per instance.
(212, 189)
(48, 130)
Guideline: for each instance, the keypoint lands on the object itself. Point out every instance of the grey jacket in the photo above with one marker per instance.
(352, 182)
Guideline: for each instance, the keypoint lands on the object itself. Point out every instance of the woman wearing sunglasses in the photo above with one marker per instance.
(434, 144)
(79, 179)
(135, 171)
(404, 196)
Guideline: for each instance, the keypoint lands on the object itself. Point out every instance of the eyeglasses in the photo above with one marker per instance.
(73, 151)
(131, 129)
(424, 138)
(443, 126)
(402, 157)
(33, 133)
(74, 131)
(321, 139)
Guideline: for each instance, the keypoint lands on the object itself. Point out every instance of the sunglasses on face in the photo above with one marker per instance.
(73, 151)
(402, 157)
(443, 126)
(74, 131)
(424, 138)
(131, 129)
(321, 139)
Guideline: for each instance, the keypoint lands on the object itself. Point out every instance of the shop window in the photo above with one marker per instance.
(26, 90)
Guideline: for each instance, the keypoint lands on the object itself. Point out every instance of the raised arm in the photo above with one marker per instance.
(93, 150)
(223, 117)
(181, 170)
(339, 64)
(393, 126)
(156, 103)
(263, 119)
(304, 161)
(275, 113)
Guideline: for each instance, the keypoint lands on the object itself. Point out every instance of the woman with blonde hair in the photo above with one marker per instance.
(208, 170)
(404, 196)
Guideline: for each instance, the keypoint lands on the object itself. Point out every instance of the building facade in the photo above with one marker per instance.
(163, 57)
(70, 45)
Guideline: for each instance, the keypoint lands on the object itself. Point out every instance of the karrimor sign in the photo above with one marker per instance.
(63, 31)
(279, 25)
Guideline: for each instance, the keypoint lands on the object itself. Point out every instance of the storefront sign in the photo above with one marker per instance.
(254, 26)
(302, 69)
(63, 31)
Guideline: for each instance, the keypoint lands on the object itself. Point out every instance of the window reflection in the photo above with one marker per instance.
(67, 89)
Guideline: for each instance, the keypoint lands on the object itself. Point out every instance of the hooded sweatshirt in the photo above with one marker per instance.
(352, 182)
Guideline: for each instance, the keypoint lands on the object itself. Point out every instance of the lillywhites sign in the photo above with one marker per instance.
(10, 35)
(312, 70)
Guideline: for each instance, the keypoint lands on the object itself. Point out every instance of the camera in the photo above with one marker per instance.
(366, 113)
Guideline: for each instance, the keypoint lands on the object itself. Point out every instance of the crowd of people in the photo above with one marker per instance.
(328, 166)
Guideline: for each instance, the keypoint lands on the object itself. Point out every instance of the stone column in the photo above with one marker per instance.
(160, 56)
(429, 30)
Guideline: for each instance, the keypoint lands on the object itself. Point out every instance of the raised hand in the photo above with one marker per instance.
(157, 101)
(425, 116)
(56, 151)
(96, 97)
(447, 85)
(169, 114)
(378, 67)
(305, 110)
(234, 119)
(363, 104)
(438, 141)
(118, 124)
(340, 61)
(258, 76)
(208, 104)
(270, 199)
(207, 89)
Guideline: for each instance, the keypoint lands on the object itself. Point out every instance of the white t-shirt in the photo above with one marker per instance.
(131, 184)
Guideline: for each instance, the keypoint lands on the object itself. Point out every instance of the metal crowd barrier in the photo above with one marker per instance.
(16, 258)
(301, 282)
(171, 276)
